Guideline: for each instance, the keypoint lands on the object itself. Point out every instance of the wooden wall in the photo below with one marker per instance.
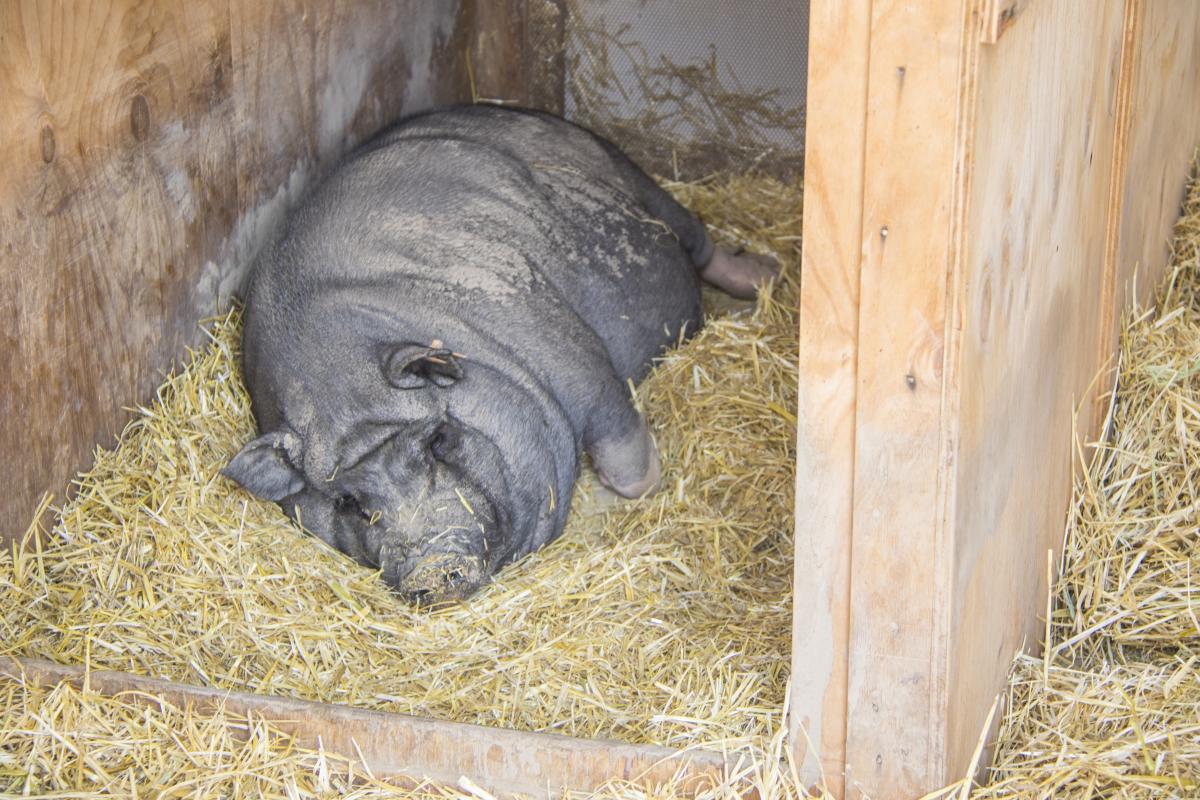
(147, 147)
(980, 192)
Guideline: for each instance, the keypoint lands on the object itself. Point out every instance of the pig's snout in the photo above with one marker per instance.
(438, 550)
(441, 577)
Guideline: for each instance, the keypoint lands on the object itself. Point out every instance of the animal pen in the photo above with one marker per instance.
(987, 184)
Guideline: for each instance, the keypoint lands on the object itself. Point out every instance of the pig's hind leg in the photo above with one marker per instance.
(740, 274)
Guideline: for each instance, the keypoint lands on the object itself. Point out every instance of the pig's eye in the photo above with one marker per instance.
(348, 504)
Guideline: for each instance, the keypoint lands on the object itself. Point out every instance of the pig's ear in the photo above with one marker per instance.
(411, 366)
(266, 467)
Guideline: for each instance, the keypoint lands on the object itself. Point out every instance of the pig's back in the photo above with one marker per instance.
(542, 191)
(518, 223)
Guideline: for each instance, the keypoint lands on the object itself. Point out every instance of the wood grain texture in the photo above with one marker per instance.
(505, 762)
(1033, 277)
(831, 258)
(1003, 213)
(116, 140)
(1109, 311)
(997, 16)
(518, 54)
(147, 148)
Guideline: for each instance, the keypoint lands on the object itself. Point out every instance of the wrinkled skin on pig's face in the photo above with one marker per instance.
(448, 322)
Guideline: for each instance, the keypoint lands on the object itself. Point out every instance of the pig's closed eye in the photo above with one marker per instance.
(348, 504)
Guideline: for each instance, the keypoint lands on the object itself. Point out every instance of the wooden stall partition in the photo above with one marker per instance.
(1164, 117)
(117, 186)
(1020, 161)
(881, 168)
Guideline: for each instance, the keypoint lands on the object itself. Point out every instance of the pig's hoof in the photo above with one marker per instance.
(739, 274)
(646, 484)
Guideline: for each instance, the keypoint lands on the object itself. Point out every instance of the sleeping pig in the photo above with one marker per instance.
(448, 322)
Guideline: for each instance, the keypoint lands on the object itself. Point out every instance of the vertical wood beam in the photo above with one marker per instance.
(831, 259)
(896, 685)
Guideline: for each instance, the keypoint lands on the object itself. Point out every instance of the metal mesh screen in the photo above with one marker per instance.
(692, 86)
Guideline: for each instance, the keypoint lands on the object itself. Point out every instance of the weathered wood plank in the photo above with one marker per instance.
(518, 52)
(1043, 161)
(829, 323)
(505, 762)
(116, 140)
(1000, 211)
(896, 684)
(1163, 137)
(997, 16)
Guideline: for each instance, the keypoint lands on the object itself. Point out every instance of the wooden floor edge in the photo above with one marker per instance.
(502, 761)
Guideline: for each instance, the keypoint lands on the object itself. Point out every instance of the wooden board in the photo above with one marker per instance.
(506, 763)
(837, 110)
(115, 136)
(146, 151)
(880, 203)
(997, 16)
(518, 55)
(1163, 137)
(899, 544)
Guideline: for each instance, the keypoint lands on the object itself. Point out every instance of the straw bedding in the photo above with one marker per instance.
(665, 620)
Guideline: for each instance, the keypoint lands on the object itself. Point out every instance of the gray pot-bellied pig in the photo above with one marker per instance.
(447, 322)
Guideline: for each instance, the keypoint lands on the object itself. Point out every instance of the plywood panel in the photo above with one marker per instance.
(507, 763)
(116, 138)
(1164, 134)
(837, 97)
(1044, 157)
(146, 150)
(997, 16)
(1019, 160)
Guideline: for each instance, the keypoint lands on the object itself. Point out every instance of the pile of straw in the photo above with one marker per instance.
(665, 620)
(1114, 708)
(682, 119)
